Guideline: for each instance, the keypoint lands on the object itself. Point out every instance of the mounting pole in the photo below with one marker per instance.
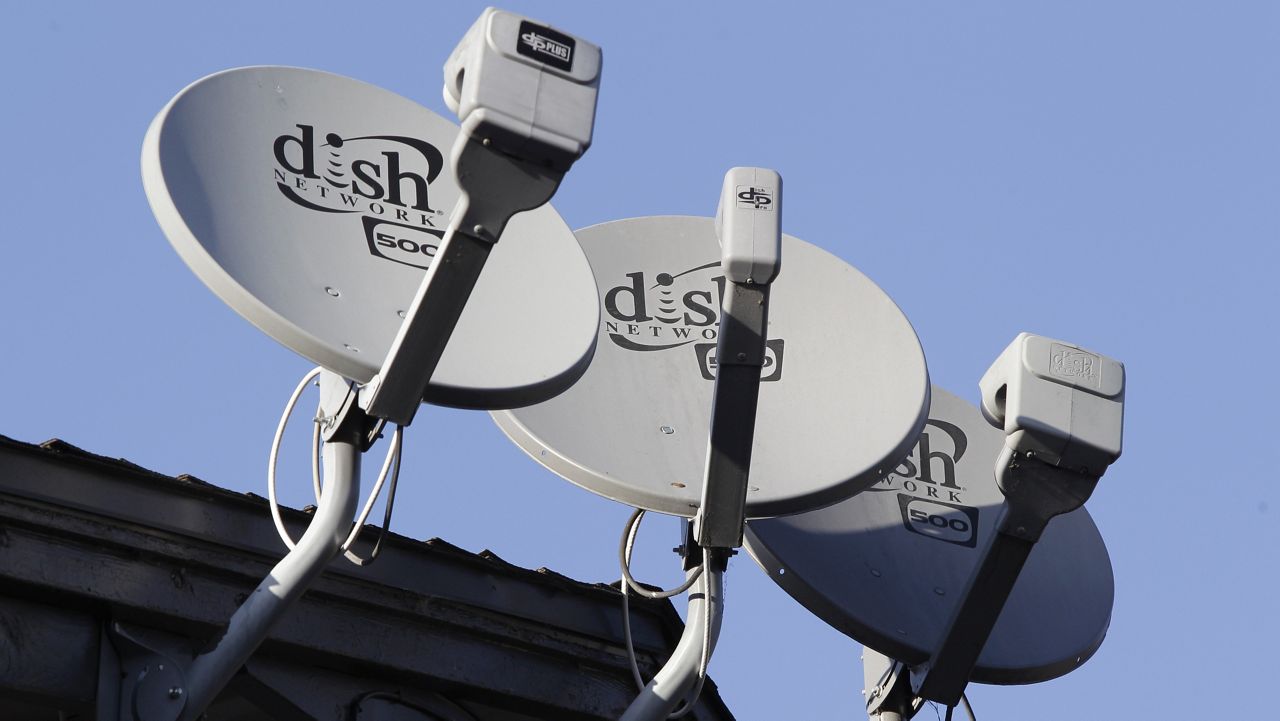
(526, 97)
(675, 680)
(346, 439)
(749, 225)
(1062, 410)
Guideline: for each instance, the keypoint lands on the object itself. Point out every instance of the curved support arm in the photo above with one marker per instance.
(277, 593)
(680, 673)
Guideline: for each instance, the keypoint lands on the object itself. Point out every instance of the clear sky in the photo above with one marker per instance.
(1106, 173)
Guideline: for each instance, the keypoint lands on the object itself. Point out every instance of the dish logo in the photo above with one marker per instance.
(755, 198)
(660, 311)
(930, 467)
(771, 371)
(385, 178)
(665, 310)
(941, 521)
(1074, 364)
(546, 46)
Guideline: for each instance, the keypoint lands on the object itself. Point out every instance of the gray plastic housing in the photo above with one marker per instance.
(749, 225)
(526, 87)
(1058, 400)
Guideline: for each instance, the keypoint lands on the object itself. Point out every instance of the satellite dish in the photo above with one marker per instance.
(312, 204)
(888, 566)
(843, 393)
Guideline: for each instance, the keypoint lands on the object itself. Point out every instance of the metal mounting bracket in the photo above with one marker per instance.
(887, 688)
(151, 686)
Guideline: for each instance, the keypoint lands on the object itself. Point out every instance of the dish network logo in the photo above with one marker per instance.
(927, 492)
(674, 310)
(384, 178)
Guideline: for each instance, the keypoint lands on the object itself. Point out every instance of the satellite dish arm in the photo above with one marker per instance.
(749, 225)
(526, 97)
(1062, 411)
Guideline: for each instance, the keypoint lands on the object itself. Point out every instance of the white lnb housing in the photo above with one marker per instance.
(749, 225)
(1058, 400)
(526, 87)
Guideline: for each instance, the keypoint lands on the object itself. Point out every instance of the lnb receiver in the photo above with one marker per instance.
(749, 225)
(526, 88)
(1058, 401)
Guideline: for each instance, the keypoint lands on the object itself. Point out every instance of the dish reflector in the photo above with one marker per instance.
(843, 392)
(888, 566)
(312, 204)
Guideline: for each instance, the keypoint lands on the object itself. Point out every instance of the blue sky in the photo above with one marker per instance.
(1100, 172)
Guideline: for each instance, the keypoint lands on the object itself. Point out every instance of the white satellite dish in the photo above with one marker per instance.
(312, 204)
(888, 566)
(826, 388)
(320, 209)
(843, 393)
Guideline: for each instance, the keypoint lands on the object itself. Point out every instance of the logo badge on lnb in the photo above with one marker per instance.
(546, 45)
(755, 197)
(1075, 364)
